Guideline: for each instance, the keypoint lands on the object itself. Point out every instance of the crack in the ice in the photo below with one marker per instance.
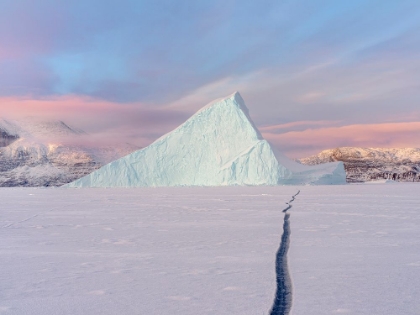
(290, 201)
(36, 215)
(283, 299)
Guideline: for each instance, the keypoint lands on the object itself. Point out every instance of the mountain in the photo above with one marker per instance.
(39, 153)
(218, 146)
(369, 164)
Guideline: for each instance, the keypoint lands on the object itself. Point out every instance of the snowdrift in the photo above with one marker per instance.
(218, 146)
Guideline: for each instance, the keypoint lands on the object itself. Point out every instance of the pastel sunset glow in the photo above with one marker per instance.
(304, 142)
(314, 74)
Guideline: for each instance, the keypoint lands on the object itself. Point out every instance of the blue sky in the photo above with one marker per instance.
(338, 62)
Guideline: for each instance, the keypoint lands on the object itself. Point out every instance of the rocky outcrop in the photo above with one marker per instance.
(34, 154)
(370, 164)
(6, 138)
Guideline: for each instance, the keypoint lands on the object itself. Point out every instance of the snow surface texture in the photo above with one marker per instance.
(218, 146)
(353, 249)
(372, 164)
(174, 251)
(36, 153)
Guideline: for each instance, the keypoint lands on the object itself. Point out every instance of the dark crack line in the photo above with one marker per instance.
(283, 299)
(288, 207)
(290, 201)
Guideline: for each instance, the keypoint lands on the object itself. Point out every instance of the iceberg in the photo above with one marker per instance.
(217, 146)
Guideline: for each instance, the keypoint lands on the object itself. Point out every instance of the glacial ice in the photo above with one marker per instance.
(218, 146)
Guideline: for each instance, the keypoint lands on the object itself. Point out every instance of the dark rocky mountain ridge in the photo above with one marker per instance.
(34, 153)
(370, 164)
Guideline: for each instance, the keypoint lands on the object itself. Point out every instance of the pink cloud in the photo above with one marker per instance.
(140, 124)
(294, 124)
(106, 122)
(66, 108)
(311, 141)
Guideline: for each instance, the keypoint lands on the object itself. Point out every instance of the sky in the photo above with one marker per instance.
(315, 74)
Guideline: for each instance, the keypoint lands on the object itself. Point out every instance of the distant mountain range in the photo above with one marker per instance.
(49, 153)
(370, 164)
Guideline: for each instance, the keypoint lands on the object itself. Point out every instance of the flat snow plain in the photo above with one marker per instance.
(354, 249)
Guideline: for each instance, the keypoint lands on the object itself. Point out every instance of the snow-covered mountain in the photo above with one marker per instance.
(218, 146)
(39, 153)
(369, 164)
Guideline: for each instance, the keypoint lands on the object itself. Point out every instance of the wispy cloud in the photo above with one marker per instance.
(139, 69)
(297, 125)
(311, 141)
(160, 51)
(108, 122)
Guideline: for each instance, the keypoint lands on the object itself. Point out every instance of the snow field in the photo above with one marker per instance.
(140, 251)
(354, 249)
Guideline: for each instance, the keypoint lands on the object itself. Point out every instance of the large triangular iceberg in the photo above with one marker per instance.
(218, 146)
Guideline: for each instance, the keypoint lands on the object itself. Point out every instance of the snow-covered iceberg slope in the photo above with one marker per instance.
(218, 146)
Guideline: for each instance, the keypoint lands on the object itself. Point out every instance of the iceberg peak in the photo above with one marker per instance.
(225, 105)
(234, 99)
(217, 146)
(237, 98)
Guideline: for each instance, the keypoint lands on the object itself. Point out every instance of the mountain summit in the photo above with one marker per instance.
(218, 146)
(49, 153)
